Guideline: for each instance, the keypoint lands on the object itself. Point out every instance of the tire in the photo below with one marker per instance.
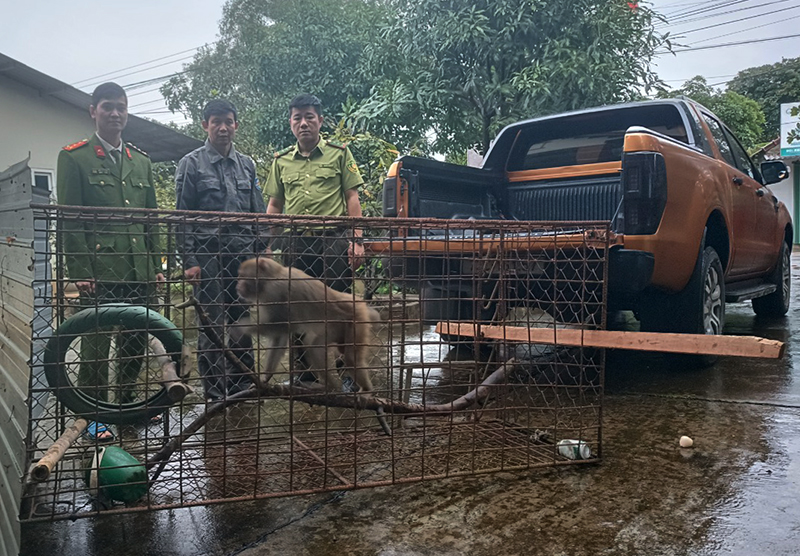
(105, 316)
(776, 304)
(705, 311)
(698, 309)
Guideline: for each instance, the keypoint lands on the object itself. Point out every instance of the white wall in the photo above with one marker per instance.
(784, 191)
(36, 123)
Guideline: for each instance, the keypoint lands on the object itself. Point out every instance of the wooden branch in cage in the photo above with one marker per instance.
(332, 399)
(208, 329)
(176, 389)
(40, 472)
(737, 346)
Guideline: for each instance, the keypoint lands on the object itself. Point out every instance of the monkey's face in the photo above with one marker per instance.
(254, 275)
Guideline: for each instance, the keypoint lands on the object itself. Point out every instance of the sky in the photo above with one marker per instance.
(77, 42)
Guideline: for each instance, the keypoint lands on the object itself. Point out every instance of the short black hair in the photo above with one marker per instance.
(107, 91)
(304, 99)
(218, 107)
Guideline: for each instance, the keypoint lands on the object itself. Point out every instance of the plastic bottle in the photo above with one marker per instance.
(574, 449)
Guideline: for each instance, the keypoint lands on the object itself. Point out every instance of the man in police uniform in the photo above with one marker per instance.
(320, 178)
(110, 261)
(218, 178)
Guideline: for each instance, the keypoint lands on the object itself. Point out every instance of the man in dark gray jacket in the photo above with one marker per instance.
(217, 178)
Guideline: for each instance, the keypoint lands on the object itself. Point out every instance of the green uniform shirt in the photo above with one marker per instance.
(314, 185)
(107, 251)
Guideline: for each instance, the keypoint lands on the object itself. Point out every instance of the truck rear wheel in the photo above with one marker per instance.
(776, 304)
(698, 309)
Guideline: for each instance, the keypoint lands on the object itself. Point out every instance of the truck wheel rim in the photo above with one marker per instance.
(787, 276)
(713, 302)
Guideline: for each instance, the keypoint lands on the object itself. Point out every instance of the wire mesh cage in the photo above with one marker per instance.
(290, 355)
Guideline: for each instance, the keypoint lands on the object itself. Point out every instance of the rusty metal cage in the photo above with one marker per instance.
(178, 370)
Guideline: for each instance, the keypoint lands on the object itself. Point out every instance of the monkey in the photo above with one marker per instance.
(287, 302)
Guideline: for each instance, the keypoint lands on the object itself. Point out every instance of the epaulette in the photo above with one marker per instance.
(137, 149)
(77, 145)
(287, 150)
(338, 145)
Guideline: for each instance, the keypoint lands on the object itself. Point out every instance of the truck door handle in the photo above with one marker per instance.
(760, 192)
(737, 180)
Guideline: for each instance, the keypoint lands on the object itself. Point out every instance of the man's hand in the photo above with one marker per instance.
(160, 280)
(192, 274)
(85, 286)
(356, 254)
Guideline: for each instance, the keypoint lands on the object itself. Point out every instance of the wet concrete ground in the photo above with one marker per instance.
(736, 492)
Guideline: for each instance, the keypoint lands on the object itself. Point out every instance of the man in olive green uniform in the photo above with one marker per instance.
(316, 177)
(110, 261)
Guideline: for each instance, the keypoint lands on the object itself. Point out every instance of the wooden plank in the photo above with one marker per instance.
(16, 294)
(17, 257)
(700, 344)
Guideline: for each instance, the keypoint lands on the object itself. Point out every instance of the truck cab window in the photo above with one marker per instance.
(720, 139)
(742, 160)
(590, 137)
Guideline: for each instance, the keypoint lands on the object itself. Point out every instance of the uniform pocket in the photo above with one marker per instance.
(210, 195)
(243, 192)
(326, 172)
(138, 192)
(208, 185)
(101, 192)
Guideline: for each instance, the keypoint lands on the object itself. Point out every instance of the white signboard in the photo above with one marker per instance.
(790, 129)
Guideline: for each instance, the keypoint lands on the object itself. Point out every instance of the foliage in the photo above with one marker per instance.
(271, 50)
(770, 85)
(375, 156)
(466, 68)
(164, 182)
(741, 114)
(794, 134)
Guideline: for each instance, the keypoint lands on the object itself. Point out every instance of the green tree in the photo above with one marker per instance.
(457, 71)
(770, 85)
(741, 114)
(271, 50)
(375, 156)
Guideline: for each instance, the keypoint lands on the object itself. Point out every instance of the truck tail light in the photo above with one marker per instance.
(644, 193)
(390, 196)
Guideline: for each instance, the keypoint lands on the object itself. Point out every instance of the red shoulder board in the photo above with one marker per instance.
(98, 150)
(74, 146)
(342, 146)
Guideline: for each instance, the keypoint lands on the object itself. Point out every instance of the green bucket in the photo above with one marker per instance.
(117, 475)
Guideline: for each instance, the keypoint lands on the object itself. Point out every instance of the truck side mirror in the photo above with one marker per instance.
(774, 171)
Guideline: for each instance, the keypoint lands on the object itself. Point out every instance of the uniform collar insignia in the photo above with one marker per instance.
(98, 150)
(128, 151)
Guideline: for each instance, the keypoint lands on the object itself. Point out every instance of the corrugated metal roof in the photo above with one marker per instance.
(160, 142)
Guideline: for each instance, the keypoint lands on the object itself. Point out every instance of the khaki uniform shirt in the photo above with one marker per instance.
(314, 185)
(110, 251)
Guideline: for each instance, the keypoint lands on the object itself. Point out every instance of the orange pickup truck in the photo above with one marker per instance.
(694, 220)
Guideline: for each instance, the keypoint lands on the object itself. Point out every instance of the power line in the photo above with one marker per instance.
(727, 44)
(137, 65)
(708, 8)
(746, 30)
(738, 20)
(155, 79)
(685, 79)
(142, 70)
(690, 5)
